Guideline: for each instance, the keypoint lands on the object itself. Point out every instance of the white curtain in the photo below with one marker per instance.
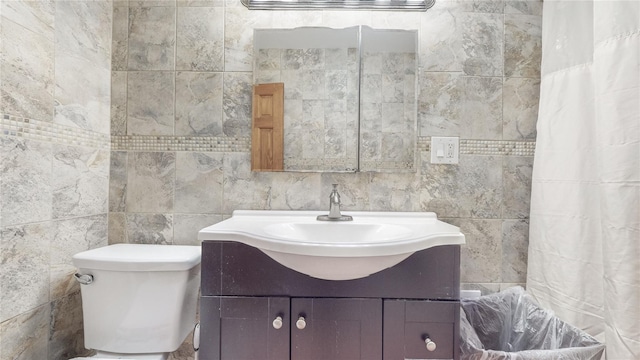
(584, 243)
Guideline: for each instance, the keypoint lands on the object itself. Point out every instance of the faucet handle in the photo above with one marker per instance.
(335, 187)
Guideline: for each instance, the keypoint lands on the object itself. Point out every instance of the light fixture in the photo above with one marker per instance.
(394, 5)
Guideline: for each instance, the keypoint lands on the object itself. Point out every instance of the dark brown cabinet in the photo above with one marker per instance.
(337, 329)
(244, 328)
(420, 329)
(253, 308)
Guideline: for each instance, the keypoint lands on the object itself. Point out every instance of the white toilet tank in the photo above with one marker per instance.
(142, 298)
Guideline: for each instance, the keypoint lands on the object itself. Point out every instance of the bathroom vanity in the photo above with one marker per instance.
(255, 308)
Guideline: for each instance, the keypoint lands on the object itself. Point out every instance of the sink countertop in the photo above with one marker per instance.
(248, 227)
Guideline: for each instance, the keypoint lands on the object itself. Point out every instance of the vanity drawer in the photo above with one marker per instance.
(408, 324)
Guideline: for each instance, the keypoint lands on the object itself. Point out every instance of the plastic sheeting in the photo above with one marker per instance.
(511, 326)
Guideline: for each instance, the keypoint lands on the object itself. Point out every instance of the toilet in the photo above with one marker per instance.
(138, 301)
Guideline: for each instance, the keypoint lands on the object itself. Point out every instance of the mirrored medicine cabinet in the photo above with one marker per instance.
(350, 99)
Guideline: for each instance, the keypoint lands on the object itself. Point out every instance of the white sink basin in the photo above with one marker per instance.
(344, 250)
(336, 232)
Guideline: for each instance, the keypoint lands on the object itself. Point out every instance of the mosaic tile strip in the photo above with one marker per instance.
(50, 132)
(423, 143)
(55, 133)
(181, 143)
(493, 147)
(486, 147)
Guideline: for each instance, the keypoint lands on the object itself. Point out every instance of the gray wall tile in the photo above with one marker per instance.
(473, 189)
(523, 45)
(152, 38)
(149, 228)
(527, 7)
(354, 190)
(200, 39)
(238, 36)
(198, 104)
(118, 181)
(66, 328)
(25, 336)
(80, 181)
(393, 192)
(515, 243)
(483, 6)
(244, 189)
(199, 179)
(117, 228)
(520, 108)
(481, 116)
(86, 52)
(42, 175)
(38, 16)
(150, 181)
(517, 172)
(186, 227)
(27, 77)
(482, 41)
(295, 191)
(441, 49)
(118, 103)
(24, 251)
(150, 103)
(26, 181)
(440, 104)
(481, 256)
(70, 237)
(152, 3)
(236, 104)
(120, 37)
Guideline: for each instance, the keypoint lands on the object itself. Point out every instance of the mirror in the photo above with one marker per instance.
(349, 96)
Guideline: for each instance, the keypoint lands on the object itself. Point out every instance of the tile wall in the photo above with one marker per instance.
(55, 71)
(178, 151)
(181, 82)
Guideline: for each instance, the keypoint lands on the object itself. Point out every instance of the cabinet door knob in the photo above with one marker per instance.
(301, 323)
(431, 346)
(277, 323)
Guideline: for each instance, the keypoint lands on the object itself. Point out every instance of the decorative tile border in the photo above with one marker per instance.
(181, 143)
(497, 147)
(486, 147)
(51, 132)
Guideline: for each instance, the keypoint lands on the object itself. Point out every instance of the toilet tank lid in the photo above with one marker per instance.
(139, 257)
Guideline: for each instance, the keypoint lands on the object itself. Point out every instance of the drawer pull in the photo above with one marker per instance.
(431, 346)
(301, 323)
(277, 323)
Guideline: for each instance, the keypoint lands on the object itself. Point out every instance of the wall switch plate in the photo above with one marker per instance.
(445, 149)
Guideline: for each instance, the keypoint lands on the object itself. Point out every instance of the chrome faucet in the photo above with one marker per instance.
(334, 208)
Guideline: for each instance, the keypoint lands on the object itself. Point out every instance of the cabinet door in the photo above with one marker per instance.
(246, 328)
(336, 329)
(421, 329)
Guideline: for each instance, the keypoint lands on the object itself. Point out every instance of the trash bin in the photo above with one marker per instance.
(510, 325)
